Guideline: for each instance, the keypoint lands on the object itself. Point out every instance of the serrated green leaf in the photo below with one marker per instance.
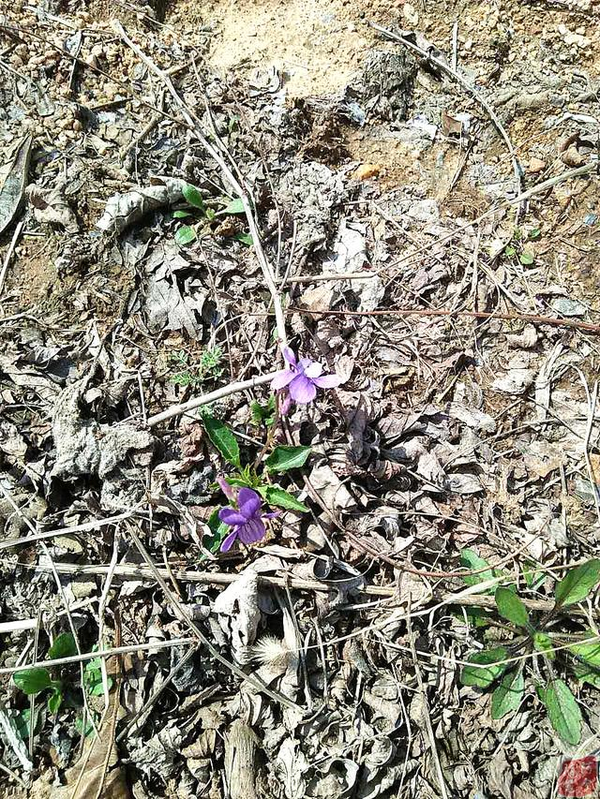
(55, 701)
(64, 646)
(508, 694)
(281, 499)
(283, 458)
(234, 207)
(563, 711)
(245, 238)
(543, 643)
(193, 196)
(510, 607)
(32, 681)
(527, 258)
(223, 439)
(487, 667)
(471, 560)
(185, 235)
(577, 583)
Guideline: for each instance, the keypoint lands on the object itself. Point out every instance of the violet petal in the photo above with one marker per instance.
(289, 356)
(252, 531)
(282, 379)
(226, 488)
(249, 502)
(313, 370)
(227, 542)
(302, 390)
(231, 516)
(327, 381)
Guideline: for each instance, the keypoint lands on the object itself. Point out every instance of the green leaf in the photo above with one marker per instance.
(281, 499)
(586, 673)
(64, 646)
(234, 207)
(185, 235)
(245, 238)
(263, 413)
(23, 722)
(193, 196)
(55, 700)
(223, 439)
(588, 651)
(471, 560)
(508, 694)
(563, 711)
(510, 607)
(577, 583)
(32, 681)
(510, 251)
(534, 234)
(283, 458)
(534, 576)
(527, 258)
(219, 531)
(543, 643)
(482, 677)
(181, 214)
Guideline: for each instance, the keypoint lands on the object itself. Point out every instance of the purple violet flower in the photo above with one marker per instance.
(246, 519)
(302, 377)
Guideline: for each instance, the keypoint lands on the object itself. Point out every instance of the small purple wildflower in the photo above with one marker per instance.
(302, 377)
(246, 519)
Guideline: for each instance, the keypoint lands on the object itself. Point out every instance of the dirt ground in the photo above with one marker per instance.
(406, 192)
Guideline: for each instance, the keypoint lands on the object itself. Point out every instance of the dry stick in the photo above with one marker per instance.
(195, 125)
(471, 90)
(103, 653)
(256, 683)
(588, 327)
(9, 252)
(77, 528)
(205, 399)
(223, 579)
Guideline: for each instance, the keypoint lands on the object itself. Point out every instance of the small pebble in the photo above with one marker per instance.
(536, 165)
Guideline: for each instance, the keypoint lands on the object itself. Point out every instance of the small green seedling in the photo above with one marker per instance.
(39, 679)
(537, 652)
(204, 213)
(207, 369)
(518, 246)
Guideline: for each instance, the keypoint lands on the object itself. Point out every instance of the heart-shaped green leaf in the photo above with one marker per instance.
(32, 681)
(510, 607)
(508, 694)
(486, 667)
(577, 583)
(193, 196)
(185, 235)
(63, 647)
(284, 458)
(563, 711)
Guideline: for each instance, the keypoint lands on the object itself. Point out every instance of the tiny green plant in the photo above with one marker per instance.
(536, 650)
(189, 373)
(39, 679)
(520, 246)
(202, 213)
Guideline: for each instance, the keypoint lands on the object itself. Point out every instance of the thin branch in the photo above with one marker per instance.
(205, 399)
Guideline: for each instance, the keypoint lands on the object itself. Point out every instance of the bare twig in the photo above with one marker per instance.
(9, 252)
